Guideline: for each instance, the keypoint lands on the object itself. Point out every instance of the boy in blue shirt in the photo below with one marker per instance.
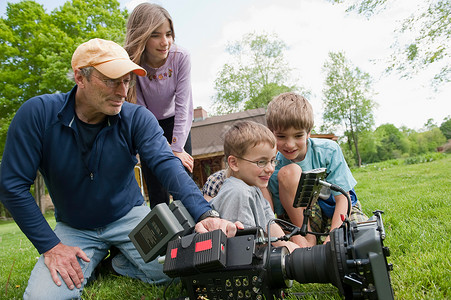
(290, 117)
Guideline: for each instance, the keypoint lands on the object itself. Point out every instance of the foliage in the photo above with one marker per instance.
(5, 120)
(418, 159)
(430, 47)
(36, 48)
(368, 146)
(347, 98)
(267, 93)
(445, 127)
(348, 154)
(428, 157)
(391, 142)
(256, 72)
(388, 142)
(430, 124)
(416, 202)
(365, 7)
(422, 142)
(423, 40)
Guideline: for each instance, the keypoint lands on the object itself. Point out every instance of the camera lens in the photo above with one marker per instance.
(312, 265)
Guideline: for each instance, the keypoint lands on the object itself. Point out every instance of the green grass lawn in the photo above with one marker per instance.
(417, 205)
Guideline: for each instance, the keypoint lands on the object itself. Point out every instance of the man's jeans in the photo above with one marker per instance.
(95, 243)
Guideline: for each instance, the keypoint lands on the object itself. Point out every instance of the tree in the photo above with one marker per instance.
(429, 140)
(36, 48)
(267, 93)
(423, 40)
(368, 147)
(391, 143)
(257, 71)
(364, 7)
(429, 125)
(445, 127)
(347, 99)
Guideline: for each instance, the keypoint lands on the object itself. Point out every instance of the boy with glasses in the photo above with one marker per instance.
(250, 149)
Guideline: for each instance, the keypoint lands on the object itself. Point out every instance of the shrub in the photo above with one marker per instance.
(424, 158)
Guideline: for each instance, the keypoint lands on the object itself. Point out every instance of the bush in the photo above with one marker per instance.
(424, 158)
(428, 157)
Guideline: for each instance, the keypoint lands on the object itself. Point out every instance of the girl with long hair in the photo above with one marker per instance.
(166, 91)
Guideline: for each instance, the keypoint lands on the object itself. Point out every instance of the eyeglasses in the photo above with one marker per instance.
(262, 163)
(115, 83)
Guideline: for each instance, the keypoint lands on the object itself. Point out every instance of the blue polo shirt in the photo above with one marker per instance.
(321, 153)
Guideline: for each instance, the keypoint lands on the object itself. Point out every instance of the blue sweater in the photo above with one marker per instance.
(86, 194)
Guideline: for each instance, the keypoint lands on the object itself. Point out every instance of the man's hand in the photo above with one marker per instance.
(187, 160)
(210, 224)
(62, 259)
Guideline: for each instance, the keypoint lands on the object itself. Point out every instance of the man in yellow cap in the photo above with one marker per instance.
(84, 143)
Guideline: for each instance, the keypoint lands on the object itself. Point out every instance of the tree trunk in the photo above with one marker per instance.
(39, 192)
(357, 153)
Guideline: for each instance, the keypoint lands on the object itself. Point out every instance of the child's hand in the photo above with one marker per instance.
(303, 242)
(291, 246)
(327, 240)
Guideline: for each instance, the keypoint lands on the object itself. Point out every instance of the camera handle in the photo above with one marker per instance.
(308, 210)
(304, 228)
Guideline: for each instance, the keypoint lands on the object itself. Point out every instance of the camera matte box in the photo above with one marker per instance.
(159, 227)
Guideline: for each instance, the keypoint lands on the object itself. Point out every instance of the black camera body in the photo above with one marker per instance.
(232, 268)
(212, 266)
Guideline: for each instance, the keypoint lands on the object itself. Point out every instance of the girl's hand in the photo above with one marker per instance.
(187, 160)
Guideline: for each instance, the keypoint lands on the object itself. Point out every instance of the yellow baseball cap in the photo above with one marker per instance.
(107, 57)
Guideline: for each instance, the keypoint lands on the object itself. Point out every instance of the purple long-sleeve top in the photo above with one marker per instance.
(166, 92)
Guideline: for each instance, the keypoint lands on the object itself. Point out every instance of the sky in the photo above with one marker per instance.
(311, 29)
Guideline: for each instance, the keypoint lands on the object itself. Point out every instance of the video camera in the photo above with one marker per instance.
(212, 266)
